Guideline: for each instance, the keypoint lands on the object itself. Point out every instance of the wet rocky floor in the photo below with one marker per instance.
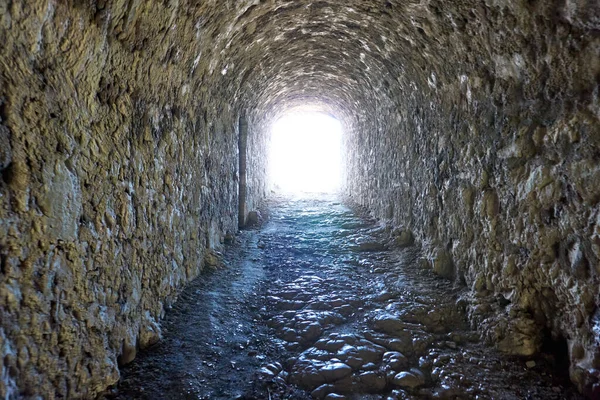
(316, 304)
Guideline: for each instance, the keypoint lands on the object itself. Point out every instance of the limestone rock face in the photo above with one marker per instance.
(473, 125)
(118, 167)
(486, 142)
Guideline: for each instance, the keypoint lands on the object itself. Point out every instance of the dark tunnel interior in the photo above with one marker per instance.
(135, 141)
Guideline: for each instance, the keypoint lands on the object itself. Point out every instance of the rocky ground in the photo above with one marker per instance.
(320, 302)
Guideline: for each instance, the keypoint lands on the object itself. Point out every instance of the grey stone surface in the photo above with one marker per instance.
(474, 125)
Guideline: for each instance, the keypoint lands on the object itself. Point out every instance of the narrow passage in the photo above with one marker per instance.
(319, 303)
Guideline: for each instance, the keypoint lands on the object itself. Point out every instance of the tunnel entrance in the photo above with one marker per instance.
(305, 153)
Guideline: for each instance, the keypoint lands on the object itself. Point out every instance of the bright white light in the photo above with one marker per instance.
(306, 153)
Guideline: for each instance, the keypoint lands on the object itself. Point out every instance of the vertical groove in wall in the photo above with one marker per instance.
(242, 150)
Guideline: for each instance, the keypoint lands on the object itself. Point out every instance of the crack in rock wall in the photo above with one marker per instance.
(473, 124)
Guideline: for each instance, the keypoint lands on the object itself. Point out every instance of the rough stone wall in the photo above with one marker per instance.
(118, 160)
(473, 123)
(258, 162)
(488, 149)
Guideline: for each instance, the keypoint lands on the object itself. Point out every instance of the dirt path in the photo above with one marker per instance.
(313, 305)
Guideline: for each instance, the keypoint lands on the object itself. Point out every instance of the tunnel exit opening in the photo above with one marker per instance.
(306, 153)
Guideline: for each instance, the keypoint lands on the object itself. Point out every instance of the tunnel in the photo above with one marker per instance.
(135, 147)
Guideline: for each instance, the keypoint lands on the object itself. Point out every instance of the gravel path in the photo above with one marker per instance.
(317, 303)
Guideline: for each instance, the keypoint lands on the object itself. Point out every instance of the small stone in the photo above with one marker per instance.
(450, 345)
(441, 360)
(229, 237)
(371, 353)
(418, 373)
(345, 310)
(312, 331)
(289, 335)
(322, 391)
(530, 364)
(211, 260)
(395, 360)
(404, 238)
(354, 362)
(266, 373)
(408, 379)
(274, 367)
(384, 296)
(372, 381)
(369, 367)
(150, 334)
(336, 302)
(346, 385)
(306, 374)
(424, 263)
(442, 264)
(330, 345)
(422, 343)
(389, 324)
(335, 396)
(335, 371)
(425, 363)
(128, 353)
(316, 354)
(347, 338)
(397, 395)
(253, 218)
(446, 392)
(347, 351)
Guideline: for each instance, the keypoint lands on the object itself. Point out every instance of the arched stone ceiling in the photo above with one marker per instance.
(473, 123)
(353, 54)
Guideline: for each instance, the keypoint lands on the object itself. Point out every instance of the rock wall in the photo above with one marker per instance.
(488, 150)
(258, 162)
(472, 123)
(118, 159)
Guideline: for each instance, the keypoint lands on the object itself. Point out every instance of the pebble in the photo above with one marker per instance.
(266, 373)
(330, 345)
(425, 363)
(322, 391)
(335, 371)
(345, 310)
(370, 352)
(395, 360)
(441, 360)
(408, 380)
(354, 362)
(384, 296)
(335, 396)
(316, 354)
(307, 377)
(312, 331)
(389, 324)
(289, 335)
(402, 326)
(369, 367)
(372, 381)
